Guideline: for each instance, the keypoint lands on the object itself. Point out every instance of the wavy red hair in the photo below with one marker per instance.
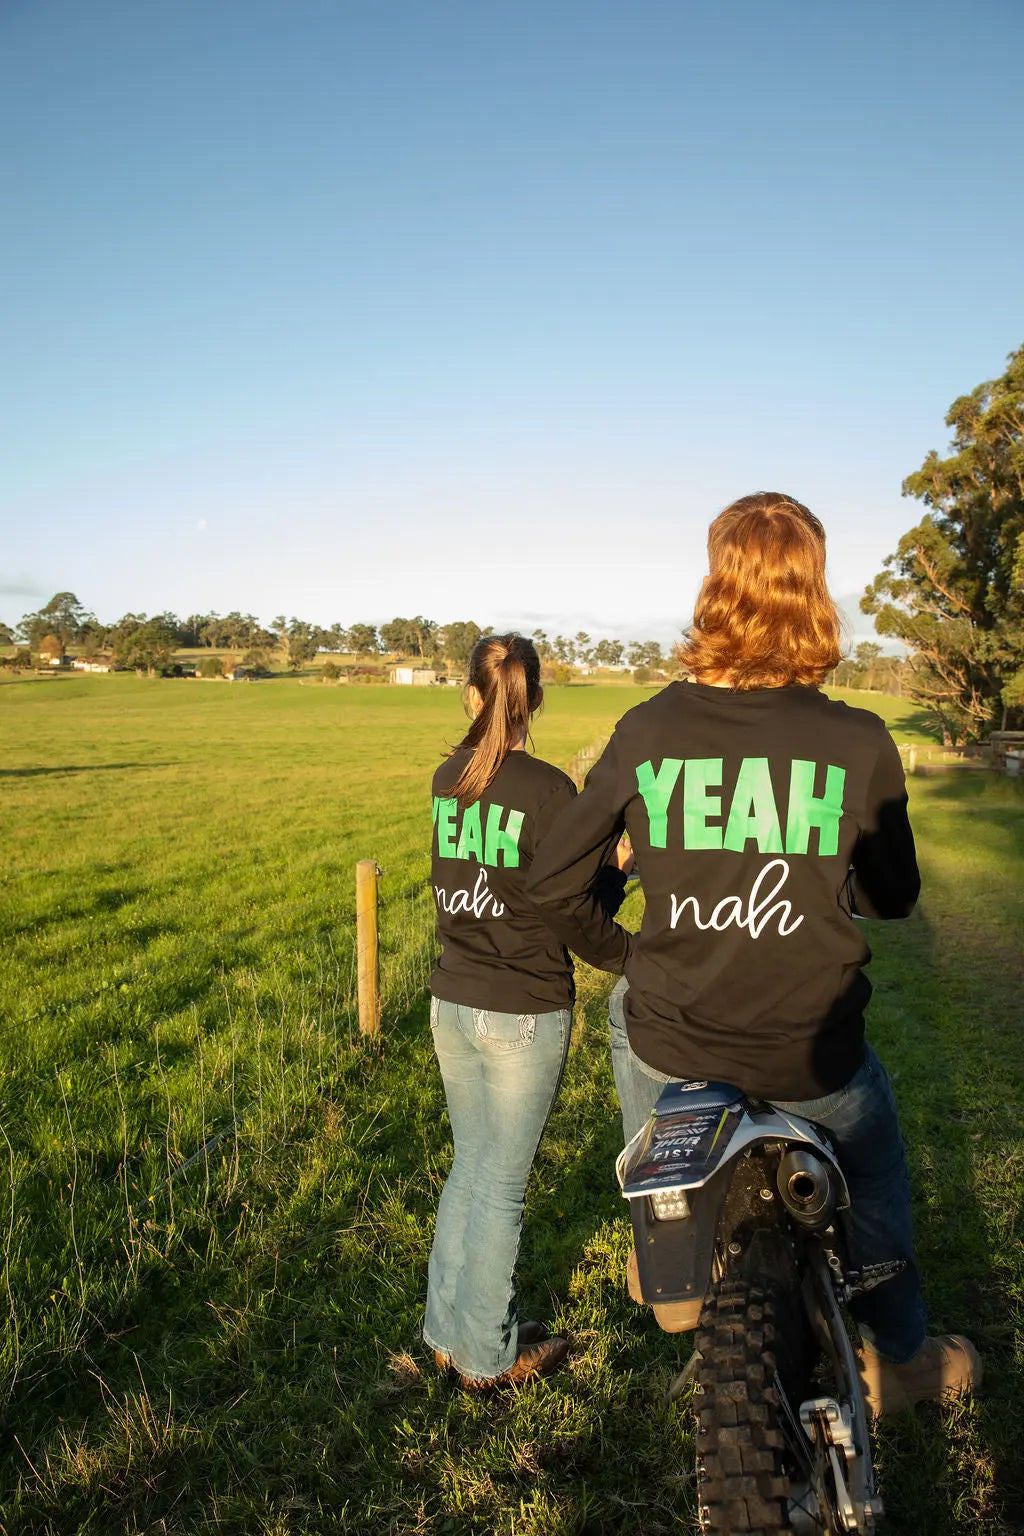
(764, 617)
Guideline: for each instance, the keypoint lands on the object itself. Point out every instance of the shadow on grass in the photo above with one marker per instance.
(920, 720)
(941, 1462)
(33, 773)
(1005, 796)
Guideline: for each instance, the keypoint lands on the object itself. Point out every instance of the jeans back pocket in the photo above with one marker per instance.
(504, 1031)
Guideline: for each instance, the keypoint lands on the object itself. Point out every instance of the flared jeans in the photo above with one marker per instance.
(863, 1124)
(501, 1074)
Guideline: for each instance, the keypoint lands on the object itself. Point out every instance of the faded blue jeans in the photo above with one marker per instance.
(863, 1125)
(501, 1074)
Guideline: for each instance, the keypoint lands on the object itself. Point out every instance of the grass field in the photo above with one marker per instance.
(218, 1200)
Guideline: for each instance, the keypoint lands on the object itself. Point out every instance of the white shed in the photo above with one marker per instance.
(414, 677)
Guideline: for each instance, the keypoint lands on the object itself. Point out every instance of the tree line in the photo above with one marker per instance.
(952, 594)
(150, 643)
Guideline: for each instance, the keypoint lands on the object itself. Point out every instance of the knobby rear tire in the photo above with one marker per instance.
(743, 1483)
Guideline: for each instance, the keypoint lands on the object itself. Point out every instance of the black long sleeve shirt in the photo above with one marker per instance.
(498, 949)
(747, 812)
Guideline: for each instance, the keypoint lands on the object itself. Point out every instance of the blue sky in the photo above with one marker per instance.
(351, 310)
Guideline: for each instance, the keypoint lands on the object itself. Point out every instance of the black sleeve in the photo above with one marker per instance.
(609, 888)
(566, 879)
(583, 920)
(885, 879)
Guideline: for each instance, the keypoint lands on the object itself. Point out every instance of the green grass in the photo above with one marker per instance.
(231, 1344)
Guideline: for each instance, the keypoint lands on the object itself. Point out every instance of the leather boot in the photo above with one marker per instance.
(948, 1366)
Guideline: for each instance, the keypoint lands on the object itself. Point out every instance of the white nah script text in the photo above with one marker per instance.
(476, 901)
(761, 907)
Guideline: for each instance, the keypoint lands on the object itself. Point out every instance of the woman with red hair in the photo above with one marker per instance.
(764, 817)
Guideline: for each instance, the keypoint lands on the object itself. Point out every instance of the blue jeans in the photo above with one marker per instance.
(863, 1125)
(501, 1074)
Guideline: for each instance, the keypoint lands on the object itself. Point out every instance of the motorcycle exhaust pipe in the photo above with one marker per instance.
(807, 1189)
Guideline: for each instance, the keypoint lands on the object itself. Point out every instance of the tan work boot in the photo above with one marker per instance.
(529, 1333)
(947, 1366)
(671, 1316)
(534, 1360)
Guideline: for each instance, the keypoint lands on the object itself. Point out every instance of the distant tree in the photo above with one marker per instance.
(338, 639)
(125, 626)
(609, 653)
(363, 639)
(238, 630)
(63, 617)
(410, 637)
(564, 650)
(891, 673)
(174, 622)
(394, 637)
(645, 653)
(954, 590)
(20, 661)
(330, 672)
(582, 647)
(301, 644)
(542, 645)
(148, 645)
(6, 635)
(92, 636)
(210, 666)
(642, 675)
(866, 656)
(213, 632)
(425, 633)
(190, 632)
(280, 629)
(457, 640)
(255, 661)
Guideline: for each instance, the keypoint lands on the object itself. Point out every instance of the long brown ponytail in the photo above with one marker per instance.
(505, 671)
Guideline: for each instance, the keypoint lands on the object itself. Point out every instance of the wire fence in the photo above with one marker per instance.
(579, 766)
(131, 1123)
(139, 1141)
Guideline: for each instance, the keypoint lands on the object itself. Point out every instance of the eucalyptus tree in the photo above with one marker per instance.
(457, 639)
(63, 617)
(953, 592)
(363, 640)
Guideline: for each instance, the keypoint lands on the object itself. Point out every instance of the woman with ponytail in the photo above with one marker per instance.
(501, 1010)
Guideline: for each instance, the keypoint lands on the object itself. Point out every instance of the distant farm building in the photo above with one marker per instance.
(416, 677)
(93, 664)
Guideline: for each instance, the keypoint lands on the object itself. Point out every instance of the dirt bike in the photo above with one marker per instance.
(735, 1220)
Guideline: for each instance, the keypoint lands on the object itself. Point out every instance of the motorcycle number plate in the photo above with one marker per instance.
(679, 1150)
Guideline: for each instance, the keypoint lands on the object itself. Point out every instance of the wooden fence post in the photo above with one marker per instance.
(367, 948)
(912, 764)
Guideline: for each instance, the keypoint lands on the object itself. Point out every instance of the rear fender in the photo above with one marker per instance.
(696, 1128)
(691, 1145)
